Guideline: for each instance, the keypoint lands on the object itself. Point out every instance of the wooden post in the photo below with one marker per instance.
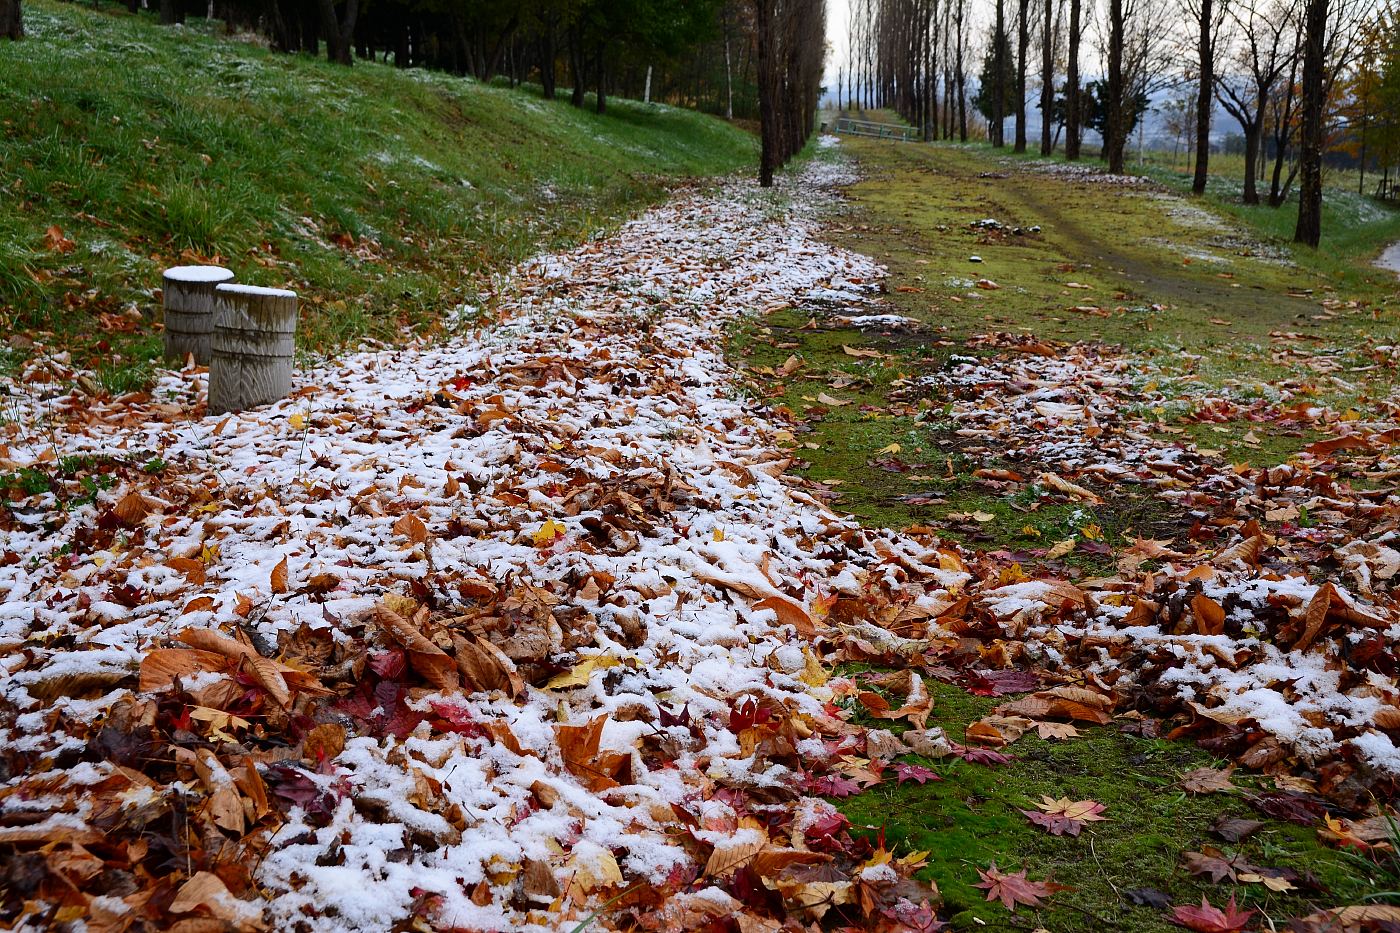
(188, 295)
(252, 347)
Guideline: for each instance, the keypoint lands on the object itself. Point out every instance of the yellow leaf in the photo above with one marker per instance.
(1013, 574)
(578, 676)
(1030, 531)
(297, 421)
(980, 516)
(719, 534)
(1061, 549)
(548, 533)
(892, 449)
(914, 860)
(1092, 531)
(813, 674)
(593, 867)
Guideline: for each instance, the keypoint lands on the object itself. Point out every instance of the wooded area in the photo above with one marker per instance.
(736, 58)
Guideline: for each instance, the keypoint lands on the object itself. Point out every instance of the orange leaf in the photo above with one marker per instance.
(279, 577)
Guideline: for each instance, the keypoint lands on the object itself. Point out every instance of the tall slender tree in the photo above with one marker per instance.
(1206, 13)
(1309, 228)
(1023, 38)
(1073, 119)
(997, 130)
(1047, 76)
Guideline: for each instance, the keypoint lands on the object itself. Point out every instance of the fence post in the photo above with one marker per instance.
(252, 347)
(187, 292)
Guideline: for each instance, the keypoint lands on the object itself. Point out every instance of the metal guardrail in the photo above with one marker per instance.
(879, 130)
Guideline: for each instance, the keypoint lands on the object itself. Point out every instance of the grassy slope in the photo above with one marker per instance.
(150, 146)
(912, 212)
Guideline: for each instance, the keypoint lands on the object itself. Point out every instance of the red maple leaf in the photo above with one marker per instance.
(914, 773)
(1000, 683)
(980, 756)
(1012, 888)
(1208, 919)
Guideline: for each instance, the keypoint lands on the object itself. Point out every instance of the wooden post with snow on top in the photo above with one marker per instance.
(187, 293)
(252, 347)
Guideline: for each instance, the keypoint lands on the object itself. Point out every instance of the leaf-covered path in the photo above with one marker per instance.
(498, 634)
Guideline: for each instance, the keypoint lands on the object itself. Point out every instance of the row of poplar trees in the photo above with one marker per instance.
(898, 46)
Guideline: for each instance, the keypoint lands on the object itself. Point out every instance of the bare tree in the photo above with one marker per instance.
(996, 131)
(1309, 228)
(1072, 112)
(1263, 43)
(1139, 64)
(1047, 75)
(1115, 135)
(791, 40)
(960, 71)
(1208, 15)
(1023, 33)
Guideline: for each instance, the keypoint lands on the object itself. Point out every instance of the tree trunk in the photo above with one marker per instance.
(646, 93)
(172, 12)
(1309, 229)
(767, 90)
(997, 131)
(1360, 163)
(1116, 128)
(576, 71)
(1251, 160)
(548, 53)
(498, 51)
(1047, 76)
(11, 19)
(339, 30)
(1072, 85)
(1023, 38)
(602, 73)
(729, 78)
(1205, 51)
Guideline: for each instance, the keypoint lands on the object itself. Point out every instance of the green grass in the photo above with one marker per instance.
(971, 818)
(1210, 333)
(1355, 227)
(148, 147)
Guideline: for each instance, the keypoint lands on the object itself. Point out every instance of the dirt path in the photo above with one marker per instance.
(1390, 258)
(1155, 278)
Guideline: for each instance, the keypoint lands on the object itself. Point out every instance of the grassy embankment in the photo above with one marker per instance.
(383, 196)
(1218, 296)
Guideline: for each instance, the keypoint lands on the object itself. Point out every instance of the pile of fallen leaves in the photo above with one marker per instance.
(483, 636)
(533, 630)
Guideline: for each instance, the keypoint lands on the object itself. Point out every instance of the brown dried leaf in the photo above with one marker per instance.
(432, 663)
(412, 528)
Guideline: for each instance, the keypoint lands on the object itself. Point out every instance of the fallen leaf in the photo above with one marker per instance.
(1207, 781)
(1064, 816)
(1208, 919)
(1014, 888)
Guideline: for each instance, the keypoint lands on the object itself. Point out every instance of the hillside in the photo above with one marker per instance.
(383, 196)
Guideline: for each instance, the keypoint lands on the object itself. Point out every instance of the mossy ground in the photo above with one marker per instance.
(1210, 327)
(971, 818)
